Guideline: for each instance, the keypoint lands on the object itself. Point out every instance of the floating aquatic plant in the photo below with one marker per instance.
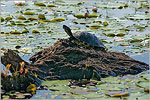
(41, 16)
(2, 19)
(8, 18)
(15, 32)
(35, 31)
(57, 20)
(40, 4)
(29, 13)
(32, 18)
(51, 5)
(21, 18)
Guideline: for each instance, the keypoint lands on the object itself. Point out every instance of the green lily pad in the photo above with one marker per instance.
(35, 31)
(117, 93)
(80, 3)
(44, 21)
(79, 91)
(145, 76)
(15, 32)
(120, 7)
(20, 96)
(95, 27)
(143, 97)
(32, 18)
(79, 16)
(146, 90)
(93, 96)
(25, 31)
(57, 20)
(124, 44)
(56, 82)
(41, 16)
(136, 40)
(51, 5)
(13, 23)
(134, 50)
(111, 35)
(120, 34)
(108, 86)
(105, 24)
(110, 79)
(92, 16)
(8, 18)
(26, 50)
(29, 13)
(6, 97)
(40, 4)
(20, 24)
(143, 84)
(21, 18)
(59, 88)
(139, 17)
(126, 5)
(2, 19)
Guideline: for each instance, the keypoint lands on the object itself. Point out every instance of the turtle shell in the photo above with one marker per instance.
(88, 38)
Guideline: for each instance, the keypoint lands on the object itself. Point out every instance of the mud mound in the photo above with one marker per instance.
(67, 60)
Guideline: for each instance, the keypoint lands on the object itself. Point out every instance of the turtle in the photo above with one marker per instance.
(85, 38)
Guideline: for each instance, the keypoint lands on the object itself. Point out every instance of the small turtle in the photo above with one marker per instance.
(85, 38)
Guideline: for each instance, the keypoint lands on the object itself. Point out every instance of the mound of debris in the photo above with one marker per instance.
(66, 60)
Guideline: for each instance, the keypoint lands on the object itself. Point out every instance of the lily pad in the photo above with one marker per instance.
(59, 88)
(32, 18)
(21, 18)
(111, 35)
(143, 84)
(126, 5)
(80, 16)
(95, 27)
(92, 16)
(29, 13)
(120, 34)
(117, 93)
(2, 19)
(57, 20)
(6, 97)
(93, 95)
(136, 40)
(35, 31)
(111, 87)
(20, 24)
(25, 31)
(44, 21)
(146, 90)
(15, 32)
(41, 16)
(8, 18)
(139, 17)
(79, 91)
(20, 96)
(40, 4)
(120, 7)
(105, 24)
(55, 82)
(51, 5)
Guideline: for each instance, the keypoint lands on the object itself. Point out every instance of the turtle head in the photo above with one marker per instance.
(67, 30)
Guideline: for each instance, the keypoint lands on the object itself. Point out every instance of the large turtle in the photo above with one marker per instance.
(85, 38)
